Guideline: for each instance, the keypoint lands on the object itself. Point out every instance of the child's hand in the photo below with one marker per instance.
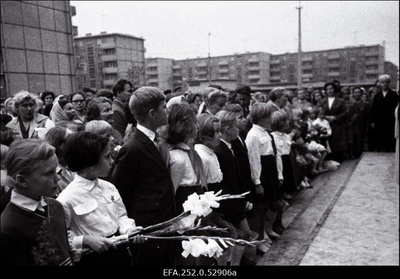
(134, 230)
(138, 239)
(98, 244)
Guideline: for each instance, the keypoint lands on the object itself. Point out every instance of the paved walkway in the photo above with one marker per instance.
(350, 217)
(363, 226)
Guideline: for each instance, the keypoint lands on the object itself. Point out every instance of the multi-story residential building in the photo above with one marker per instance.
(159, 72)
(103, 59)
(358, 65)
(246, 68)
(352, 65)
(36, 47)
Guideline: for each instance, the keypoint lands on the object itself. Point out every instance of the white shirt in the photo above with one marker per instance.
(211, 165)
(259, 143)
(26, 202)
(182, 172)
(149, 133)
(93, 208)
(330, 101)
(283, 145)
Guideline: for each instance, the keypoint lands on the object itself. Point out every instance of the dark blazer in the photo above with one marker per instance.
(232, 209)
(146, 188)
(242, 156)
(338, 139)
(382, 115)
(144, 181)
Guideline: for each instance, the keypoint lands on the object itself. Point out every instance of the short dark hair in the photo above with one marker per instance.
(245, 90)
(105, 93)
(47, 93)
(333, 84)
(83, 149)
(119, 86)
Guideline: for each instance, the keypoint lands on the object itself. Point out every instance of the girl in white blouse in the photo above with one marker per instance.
(94, 211)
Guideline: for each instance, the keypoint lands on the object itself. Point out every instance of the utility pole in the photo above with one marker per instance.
(299, 64)
(209, 59)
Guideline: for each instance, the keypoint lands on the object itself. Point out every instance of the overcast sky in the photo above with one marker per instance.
(180, 29)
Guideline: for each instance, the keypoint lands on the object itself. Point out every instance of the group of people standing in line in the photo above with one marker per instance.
(82, 173)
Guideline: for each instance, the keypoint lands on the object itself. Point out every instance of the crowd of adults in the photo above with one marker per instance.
(82, 170)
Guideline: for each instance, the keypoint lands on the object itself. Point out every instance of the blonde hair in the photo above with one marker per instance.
(100, 127)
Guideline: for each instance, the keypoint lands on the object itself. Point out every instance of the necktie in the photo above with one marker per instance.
(162, 148)
(273, 143)
(198, 167)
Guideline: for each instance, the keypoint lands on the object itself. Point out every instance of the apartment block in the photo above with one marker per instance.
(359, 65)
(103, 59)
(159, 72)
(36, 47)
(246, 68)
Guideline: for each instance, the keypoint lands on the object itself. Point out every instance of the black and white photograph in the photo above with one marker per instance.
(199, 138)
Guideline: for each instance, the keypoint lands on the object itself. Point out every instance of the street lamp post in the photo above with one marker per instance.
(209, 59)
(299, 64)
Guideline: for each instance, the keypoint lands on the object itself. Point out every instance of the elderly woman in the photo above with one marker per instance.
(28, 122)
(62, 110)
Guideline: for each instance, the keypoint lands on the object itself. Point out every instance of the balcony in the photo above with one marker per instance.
(254, 76)
(112, 70)
(307, 76)
(109, 58)
(152, 80)
(253, 60)
(307, 67)
(176, 74)
(275, 78)
(333, 74)
(254, 68)
(220, 63)
(223, 70)
(275, 62)
(202, 64)
(108, 82)
(176, 67)
(307, 59)
(372, 53)
(152, 65)
(333, 56)
(372, 71)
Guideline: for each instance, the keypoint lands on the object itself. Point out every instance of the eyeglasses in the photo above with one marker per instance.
(78, 101)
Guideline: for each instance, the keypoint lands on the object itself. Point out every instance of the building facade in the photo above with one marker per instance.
(36, 47)
(246, 68)
(103, 59)
(358, 65)
(159, 73)
(352, 65)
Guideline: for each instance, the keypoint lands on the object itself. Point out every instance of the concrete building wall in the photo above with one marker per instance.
(36, 47)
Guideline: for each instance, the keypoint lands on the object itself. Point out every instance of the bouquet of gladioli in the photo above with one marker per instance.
(188, 227)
